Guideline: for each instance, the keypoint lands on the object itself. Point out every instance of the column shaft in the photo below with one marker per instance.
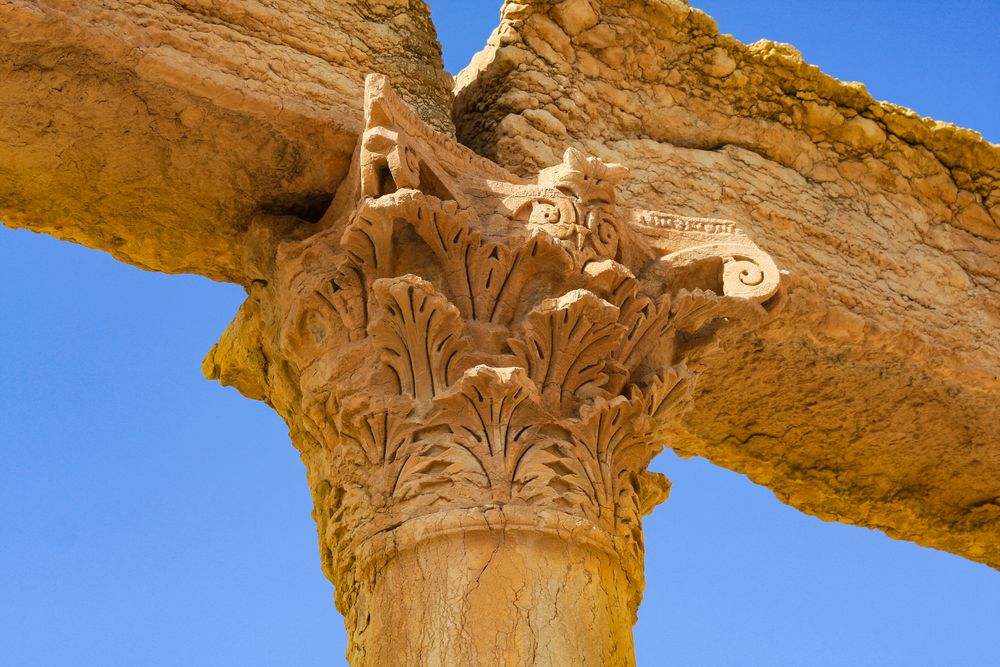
(474, 587)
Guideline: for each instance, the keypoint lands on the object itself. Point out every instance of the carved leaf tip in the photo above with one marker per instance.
(419, 335)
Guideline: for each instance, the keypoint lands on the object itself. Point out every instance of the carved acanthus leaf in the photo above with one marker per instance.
(418, 334)
(494, 407)
(485, 279)
(448, 233)
(440, 472)
(347, 295)
(652, 489)
(568, 347)
(536, 257)
(669, 396)
(691, 310)
(381, 430)
(551, 474)
(494, 413)
(368, 241)
(401, 461)
(645, 321)
(605, 432)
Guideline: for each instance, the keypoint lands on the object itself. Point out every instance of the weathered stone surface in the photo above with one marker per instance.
(874, 397)
(475, 364)
(171, 133)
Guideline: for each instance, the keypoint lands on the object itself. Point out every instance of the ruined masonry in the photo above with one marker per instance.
(483, 304)
(474, 364)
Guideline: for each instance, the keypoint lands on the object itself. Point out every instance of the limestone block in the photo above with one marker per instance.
(170, 132)
(874, 397)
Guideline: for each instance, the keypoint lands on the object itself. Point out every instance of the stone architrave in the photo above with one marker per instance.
(172, 133)
(477, 369)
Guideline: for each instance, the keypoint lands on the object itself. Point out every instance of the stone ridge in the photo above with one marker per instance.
(873, 399)
(163, 132)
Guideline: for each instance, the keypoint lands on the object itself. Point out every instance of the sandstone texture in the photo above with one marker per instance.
(477, 369)
(652, 235)
(873, 398)
(173, 133)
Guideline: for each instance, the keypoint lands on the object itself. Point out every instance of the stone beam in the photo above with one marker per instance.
(874, 397)
(477, 368)
(168, 133)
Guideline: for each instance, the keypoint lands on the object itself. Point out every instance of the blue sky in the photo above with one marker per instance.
(148, 517)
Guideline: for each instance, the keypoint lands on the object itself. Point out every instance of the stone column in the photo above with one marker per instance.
(477, 369)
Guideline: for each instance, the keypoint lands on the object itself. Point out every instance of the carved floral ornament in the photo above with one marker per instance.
(451, 336)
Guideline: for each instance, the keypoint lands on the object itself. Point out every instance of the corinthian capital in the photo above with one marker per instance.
(453, 343)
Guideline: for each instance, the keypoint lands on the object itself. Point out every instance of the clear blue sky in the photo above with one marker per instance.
(151, 518)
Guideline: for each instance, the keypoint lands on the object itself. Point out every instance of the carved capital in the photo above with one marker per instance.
(451, 336)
